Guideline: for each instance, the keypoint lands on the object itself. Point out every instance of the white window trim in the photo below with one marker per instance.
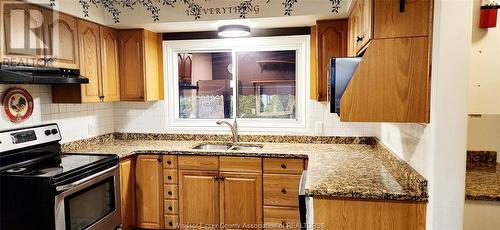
(299, 43)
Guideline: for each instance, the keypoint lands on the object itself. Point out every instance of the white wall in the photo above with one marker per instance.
(483, 215)
(75, 121)
(484, 87)
(484, 133)
(438, 150)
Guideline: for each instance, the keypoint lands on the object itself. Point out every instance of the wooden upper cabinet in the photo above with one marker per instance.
(395, 18)
(109, 64)
(98, 61)
(391, 83)
(198, 197)
(90, 60)
(127, 192)
(241, 198)
(331, 38)
(149, 192)
(360, 26)
(23, 30)
(140, 61)
(61, 39)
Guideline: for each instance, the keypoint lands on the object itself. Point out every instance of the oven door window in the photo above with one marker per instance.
(90, 205)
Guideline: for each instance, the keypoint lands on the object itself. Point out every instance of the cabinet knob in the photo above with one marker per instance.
(360, 38)
(170, 223)
(170, 208)
(283, 191)
(169, 193)
(283, 224)
(169, 162)
(169, 177)
(142, 97)
(283, 166)
(158, 159)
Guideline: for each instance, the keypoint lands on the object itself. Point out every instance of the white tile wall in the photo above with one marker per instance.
(76, 121)
(150, 117)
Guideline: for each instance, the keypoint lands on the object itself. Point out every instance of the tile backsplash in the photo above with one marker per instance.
(76, 121)
(79, 121)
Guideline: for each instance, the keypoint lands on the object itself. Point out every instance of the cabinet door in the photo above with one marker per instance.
(23, 33)
(414, 20)
(241, 198)
(132, 65)
(332, 42)
(198, 197)
(127, 188)
(90, 60)
(149, 192)
(61, 37)
(109, 60)
(363, 23)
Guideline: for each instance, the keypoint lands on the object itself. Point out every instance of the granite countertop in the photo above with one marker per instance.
(482, 178)
(364, 171)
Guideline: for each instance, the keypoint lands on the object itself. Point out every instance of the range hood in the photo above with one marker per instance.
(40, 75)
(341, 72)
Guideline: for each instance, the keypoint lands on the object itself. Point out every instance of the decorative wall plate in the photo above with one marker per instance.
(17, 104)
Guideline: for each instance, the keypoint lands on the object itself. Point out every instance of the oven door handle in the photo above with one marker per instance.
(81, 181)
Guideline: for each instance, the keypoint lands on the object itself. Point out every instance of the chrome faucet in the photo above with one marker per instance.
(233, 127)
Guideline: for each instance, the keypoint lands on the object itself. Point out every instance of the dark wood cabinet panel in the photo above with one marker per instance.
(331, 42)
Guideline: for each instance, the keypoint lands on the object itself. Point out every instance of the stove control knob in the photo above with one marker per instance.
(54, 131)
(47, 132)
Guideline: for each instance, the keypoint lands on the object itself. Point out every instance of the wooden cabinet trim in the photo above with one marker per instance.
(240, 164)
(198, 162)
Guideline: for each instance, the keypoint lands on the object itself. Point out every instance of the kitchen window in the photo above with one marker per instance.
(260, 81)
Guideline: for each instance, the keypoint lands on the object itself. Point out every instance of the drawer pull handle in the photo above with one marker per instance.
(283, 224)
(170, 223)
(169, 162)
(283, 166)
(169, 193)
(170, 208)
(283, 191)
(169, 177)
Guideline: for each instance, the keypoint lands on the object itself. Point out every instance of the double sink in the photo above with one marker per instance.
(228, 146)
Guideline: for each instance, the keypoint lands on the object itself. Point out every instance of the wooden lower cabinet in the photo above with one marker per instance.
(276, 217)
(198, 198)
(241, 199)
(149, 192)
(341, 214)
(127, 190)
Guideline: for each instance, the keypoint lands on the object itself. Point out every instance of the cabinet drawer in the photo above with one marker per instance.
(281, 217)
(281, 190)
(171, 221)
(240, 164)
(169, 162)
(171, 206)
(170, 176)
(170, 192)
(283, 165)
(198, 162)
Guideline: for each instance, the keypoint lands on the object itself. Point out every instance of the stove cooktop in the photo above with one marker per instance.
(56, 167)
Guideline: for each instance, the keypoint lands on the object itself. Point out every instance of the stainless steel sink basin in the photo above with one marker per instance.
(213, 146)
(242, 148)
(224, 146)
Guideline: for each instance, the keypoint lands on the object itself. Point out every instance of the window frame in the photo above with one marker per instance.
(299, 43)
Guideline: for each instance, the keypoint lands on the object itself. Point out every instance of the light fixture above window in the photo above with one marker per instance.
(233, 31)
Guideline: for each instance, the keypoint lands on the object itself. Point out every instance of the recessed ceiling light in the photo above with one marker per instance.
(233, 31)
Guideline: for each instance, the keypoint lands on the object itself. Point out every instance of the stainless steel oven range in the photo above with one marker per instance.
(41, 188)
